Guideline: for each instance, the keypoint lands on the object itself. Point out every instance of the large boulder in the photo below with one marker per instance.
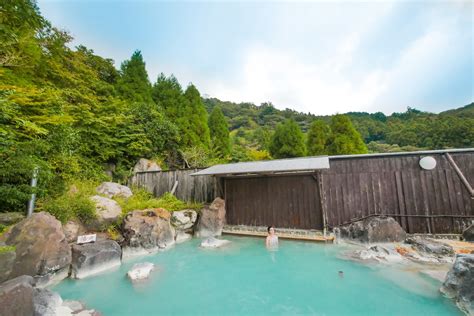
(16, 296)
(373, 230)
(93, 258)
(212, 219)
(468, 233)
(46, 302)
(7, 261)
(146, 165)
(112, 189)
(11, 218)
(183, 220)
(73, 229)
(430, 246)
(459, 283)
(41, 248)
(108, 212)
(147, 231)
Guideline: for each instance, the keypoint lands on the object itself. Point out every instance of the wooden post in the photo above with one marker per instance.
(322, 198)
(460, 174)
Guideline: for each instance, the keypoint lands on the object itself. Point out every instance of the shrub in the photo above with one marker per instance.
(74, 204)
(142, 199)
(71, 206)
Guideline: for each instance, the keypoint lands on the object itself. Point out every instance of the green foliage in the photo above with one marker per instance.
(318, 136)
(4, 249)
(193, 121)
(287, 141)
(219, 131)
(73, 204)
(344, 138)
(133, 84)
(142, 199)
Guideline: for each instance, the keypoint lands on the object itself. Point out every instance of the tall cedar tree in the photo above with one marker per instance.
(193, 120)
(134, 84)
(219, 130)
(318, 136)
(287, 141)
(167, 92)
(345, 139)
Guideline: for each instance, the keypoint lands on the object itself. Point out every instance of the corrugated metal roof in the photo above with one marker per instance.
(270, 166)
(404, 153)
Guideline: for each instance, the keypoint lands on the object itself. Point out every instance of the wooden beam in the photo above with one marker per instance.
(460, 174)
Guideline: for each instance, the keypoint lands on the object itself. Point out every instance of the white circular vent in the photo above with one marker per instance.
(428, 163)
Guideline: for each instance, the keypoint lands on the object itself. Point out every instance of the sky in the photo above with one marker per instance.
(322, 57)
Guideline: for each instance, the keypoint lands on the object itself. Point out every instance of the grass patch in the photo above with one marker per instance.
(4, 249)
(142, 199)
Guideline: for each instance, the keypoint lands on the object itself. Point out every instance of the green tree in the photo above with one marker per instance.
(287, 141)
(344, 138)
(318, 136)
(192, 120)
(133, 83)
(167, 92)
(219, 131)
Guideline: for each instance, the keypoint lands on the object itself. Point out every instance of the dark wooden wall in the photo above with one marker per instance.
(422, 201)
(197, 189)
(281, 201)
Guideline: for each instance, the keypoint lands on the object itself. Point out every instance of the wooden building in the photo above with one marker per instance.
(426, 191)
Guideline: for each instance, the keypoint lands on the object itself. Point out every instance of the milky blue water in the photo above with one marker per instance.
(246, 279)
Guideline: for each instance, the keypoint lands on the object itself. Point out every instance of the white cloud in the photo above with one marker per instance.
(286, 81)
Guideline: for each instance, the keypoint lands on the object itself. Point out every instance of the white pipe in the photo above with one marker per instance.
(31, 202)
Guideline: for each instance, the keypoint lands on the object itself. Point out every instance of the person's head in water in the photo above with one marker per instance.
(271, 230)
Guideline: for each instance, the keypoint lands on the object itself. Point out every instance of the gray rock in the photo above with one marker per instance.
(212, 219)
(377, 229)
(16, 296)
(46, 302)
(41, 247)
(140, 271)
(430, 246)
(93, 258)
(182, 237)
(146, 165)
(108, 212)
(112, 189)
(75, 306)
(11, 218)
(72, 230)
(7, 260)
(468, 233)
(147, 231)
(376, 254)
(183, 220)
(212, 242)
(459, 283)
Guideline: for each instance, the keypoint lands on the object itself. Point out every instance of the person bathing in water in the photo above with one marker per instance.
(272, 238)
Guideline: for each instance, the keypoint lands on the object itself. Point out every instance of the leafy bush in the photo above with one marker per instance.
(74, 204)
(142, 199)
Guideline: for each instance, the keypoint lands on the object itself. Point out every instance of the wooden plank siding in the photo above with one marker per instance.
(422, 201)
(191, 189)
(282, 201)
(396, 185)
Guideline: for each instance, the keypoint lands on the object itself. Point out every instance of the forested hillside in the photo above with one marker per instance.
(251, 127)
(71, 114)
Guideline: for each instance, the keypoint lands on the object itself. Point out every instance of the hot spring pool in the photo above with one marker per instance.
(246, 279)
